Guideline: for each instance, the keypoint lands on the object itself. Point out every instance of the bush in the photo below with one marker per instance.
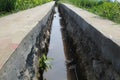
(7, 5)
(108, 10)
(87, 4)
(104, 8)
(11, 5)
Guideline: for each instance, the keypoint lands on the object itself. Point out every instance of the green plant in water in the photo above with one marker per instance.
(44, 62)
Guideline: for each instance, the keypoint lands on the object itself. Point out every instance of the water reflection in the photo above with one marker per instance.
(63, 64)
(56, 51)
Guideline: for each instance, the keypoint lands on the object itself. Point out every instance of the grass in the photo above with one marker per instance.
(10, 6)
(104, 8)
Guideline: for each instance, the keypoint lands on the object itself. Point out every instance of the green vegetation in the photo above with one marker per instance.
(44, 62)
(8, 6)
(104, 8)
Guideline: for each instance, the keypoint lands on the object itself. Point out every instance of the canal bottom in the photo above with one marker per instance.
(63, 63)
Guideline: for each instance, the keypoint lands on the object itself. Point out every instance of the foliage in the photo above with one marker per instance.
(108, 10)
(7, 5)
(44, 63)
(23, 4)
(16, 5)
(104, 8)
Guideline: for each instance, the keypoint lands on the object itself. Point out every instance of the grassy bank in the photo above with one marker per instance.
(109, 10)
(9, 6)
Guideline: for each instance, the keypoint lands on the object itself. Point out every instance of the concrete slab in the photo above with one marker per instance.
(15, 27)
(108, 28)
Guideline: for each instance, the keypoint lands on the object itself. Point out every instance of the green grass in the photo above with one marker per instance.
(102, 8)
(10, 6)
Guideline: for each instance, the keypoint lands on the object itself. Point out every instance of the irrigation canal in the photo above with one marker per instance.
(60, 70)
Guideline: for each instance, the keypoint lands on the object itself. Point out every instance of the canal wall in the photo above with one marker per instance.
(94, 41)
(23, 63)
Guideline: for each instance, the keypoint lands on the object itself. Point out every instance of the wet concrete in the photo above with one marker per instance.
(71, 60)
(74, 71)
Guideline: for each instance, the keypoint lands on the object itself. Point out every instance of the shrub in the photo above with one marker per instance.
(12, 5)
(108, 10)
(7, 5)
(104, 8)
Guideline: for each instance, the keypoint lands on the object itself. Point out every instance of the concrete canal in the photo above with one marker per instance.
(57, 50)
(81, 48)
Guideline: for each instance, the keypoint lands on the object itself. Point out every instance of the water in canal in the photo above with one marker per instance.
(56, 51)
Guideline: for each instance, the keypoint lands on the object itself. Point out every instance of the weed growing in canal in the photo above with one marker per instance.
(44, 63)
